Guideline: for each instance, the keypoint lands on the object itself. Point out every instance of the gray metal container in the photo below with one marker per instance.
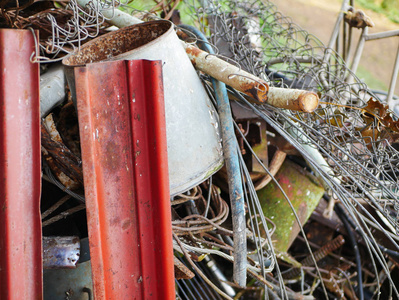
(71, 284)
(192, 124)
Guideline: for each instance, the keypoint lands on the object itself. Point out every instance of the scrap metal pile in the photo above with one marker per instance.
(283, 165)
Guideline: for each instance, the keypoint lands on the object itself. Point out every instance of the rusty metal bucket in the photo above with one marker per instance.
(192, 125)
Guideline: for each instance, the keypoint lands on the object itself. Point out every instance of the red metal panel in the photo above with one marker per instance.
(20, 168)
(151, 177)
(123, 140)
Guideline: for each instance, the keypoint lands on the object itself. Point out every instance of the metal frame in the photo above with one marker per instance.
(346, 36)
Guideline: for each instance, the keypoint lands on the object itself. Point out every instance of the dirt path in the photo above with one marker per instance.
(318, 17)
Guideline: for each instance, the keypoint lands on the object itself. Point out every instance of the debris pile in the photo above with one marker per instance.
(278, 164)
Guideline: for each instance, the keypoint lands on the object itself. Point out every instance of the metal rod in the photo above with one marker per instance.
(335, 32)
(391, 102)
(382, 35)
(55, 206)
(233, 172)
(180, 289)
(358, 54)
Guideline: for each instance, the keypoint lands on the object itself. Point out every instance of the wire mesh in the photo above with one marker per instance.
(359, 149)
(360, 156)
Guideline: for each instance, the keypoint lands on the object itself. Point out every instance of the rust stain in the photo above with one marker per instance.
(115, 221)
(193, 51)
(26, 95)
(126, 224)
(112, 159)
(256, 90)
(118, 42)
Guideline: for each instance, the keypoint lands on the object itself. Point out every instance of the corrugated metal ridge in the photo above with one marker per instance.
(123, 140)
(20, 168)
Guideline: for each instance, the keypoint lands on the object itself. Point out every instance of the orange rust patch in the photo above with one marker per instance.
(256, 91)
(193, 51)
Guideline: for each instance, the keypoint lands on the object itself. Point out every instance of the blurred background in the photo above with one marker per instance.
(318, 17)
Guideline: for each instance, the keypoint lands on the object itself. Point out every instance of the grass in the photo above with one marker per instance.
(370, 79)
(389, 8)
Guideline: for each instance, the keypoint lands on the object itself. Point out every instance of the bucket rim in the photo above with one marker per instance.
(66, 61)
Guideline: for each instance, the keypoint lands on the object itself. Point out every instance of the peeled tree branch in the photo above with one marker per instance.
(249, 84)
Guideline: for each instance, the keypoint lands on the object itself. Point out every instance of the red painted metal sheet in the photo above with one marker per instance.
(123, 140)
(20, 168)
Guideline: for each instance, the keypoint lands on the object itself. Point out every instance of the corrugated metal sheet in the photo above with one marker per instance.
(123, 140)
(20, 168)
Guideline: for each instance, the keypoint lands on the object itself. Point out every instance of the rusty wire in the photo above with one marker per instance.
(64, 214)
(198, 223)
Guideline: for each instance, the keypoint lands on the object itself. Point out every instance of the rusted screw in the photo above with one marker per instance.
(318, 255)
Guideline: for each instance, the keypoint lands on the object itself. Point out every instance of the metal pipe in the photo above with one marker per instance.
(335, 32)
(52, 89)
(382, 35)
(391, 102)
(235, 184)
(219, 275)
(233, 171)
(358, 54)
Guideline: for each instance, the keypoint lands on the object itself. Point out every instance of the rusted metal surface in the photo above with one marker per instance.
(57, 154)
(118, 42)
(20, 168)
(318, 255)
(60, 252)
(55, 136)
(69, 284)
(123, 138)
(73, 284)
(275, 165)
(303, 192)
(181, 271)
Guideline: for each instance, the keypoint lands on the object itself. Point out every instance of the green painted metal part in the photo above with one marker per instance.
(304, 192)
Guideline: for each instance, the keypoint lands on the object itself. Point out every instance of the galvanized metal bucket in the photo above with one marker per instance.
(192, 125)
